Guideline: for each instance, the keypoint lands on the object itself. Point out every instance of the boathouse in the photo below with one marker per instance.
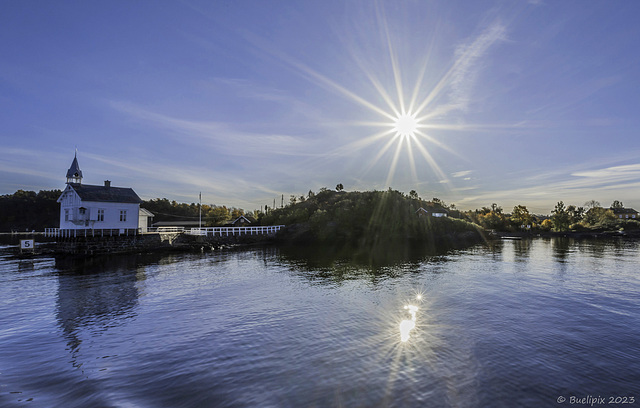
(99, 207)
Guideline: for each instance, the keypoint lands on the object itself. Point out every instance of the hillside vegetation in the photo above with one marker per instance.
(371, 220)
(28, 210)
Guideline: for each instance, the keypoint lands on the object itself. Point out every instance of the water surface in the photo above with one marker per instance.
(519, 323)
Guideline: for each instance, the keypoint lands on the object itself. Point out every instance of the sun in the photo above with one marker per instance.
(409, 108)
(405, 125)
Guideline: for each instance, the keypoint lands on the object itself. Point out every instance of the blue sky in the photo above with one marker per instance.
(513, 102)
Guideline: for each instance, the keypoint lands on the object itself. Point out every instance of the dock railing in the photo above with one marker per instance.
(167, 230)
(89, 232)
(208, 232)
(231, 231)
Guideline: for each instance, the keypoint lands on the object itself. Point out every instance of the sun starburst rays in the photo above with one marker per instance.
(405, 125)
(401, 126)
(406, 120)
(408, 137)
(411, 101)
(404, 135)
(410, 92)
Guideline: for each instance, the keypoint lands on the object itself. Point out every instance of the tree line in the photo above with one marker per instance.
(212, 215)
(28, 210)
(589, 217)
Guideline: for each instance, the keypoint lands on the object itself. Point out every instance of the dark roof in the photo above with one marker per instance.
(247, 218)
(106, 194)
(74, 171)
(623, 210)
(433, 208)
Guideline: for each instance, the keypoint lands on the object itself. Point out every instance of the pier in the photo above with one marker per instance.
(205, 232)
(233, 231)
(110, 241)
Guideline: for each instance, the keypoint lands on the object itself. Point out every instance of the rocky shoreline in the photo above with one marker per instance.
(635, 234)
(148, 243)
(168, 243)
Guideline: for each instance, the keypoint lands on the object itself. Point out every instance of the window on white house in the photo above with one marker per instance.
(100, 215)
(123, 215)
(66, 215)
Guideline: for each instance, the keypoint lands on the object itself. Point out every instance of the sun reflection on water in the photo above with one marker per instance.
(407, 325)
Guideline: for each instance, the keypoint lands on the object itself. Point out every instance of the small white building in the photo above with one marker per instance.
(84, 206)
(144, 220)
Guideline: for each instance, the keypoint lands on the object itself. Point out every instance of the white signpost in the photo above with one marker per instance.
(27, 245)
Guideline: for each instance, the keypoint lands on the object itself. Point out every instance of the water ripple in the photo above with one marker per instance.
(517, 324)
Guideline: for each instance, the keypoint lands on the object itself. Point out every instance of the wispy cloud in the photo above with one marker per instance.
(163, 179)
(610, 176)
(150, 178)
(459, 80)
(218, 136)
(461, 173)
(469, 62)
(577, 94)
(21, 162)
(604, 184)
(252, 90)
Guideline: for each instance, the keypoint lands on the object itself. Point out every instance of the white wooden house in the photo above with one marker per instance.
(102, 207)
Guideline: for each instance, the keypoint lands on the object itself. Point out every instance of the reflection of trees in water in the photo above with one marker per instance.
(522, 249)
(562, 247)
(622, 247)
(96, 294)
(326, 264)
(597, 247)
(568, 250)
(495, 248)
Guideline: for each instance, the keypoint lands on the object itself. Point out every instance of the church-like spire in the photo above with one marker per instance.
(74, 174)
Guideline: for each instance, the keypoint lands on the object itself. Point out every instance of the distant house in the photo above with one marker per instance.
(242, 221)
(625, 213)
(432, 211)
(84, 206)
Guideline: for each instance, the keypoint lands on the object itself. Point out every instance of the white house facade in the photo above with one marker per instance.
(98, 207)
